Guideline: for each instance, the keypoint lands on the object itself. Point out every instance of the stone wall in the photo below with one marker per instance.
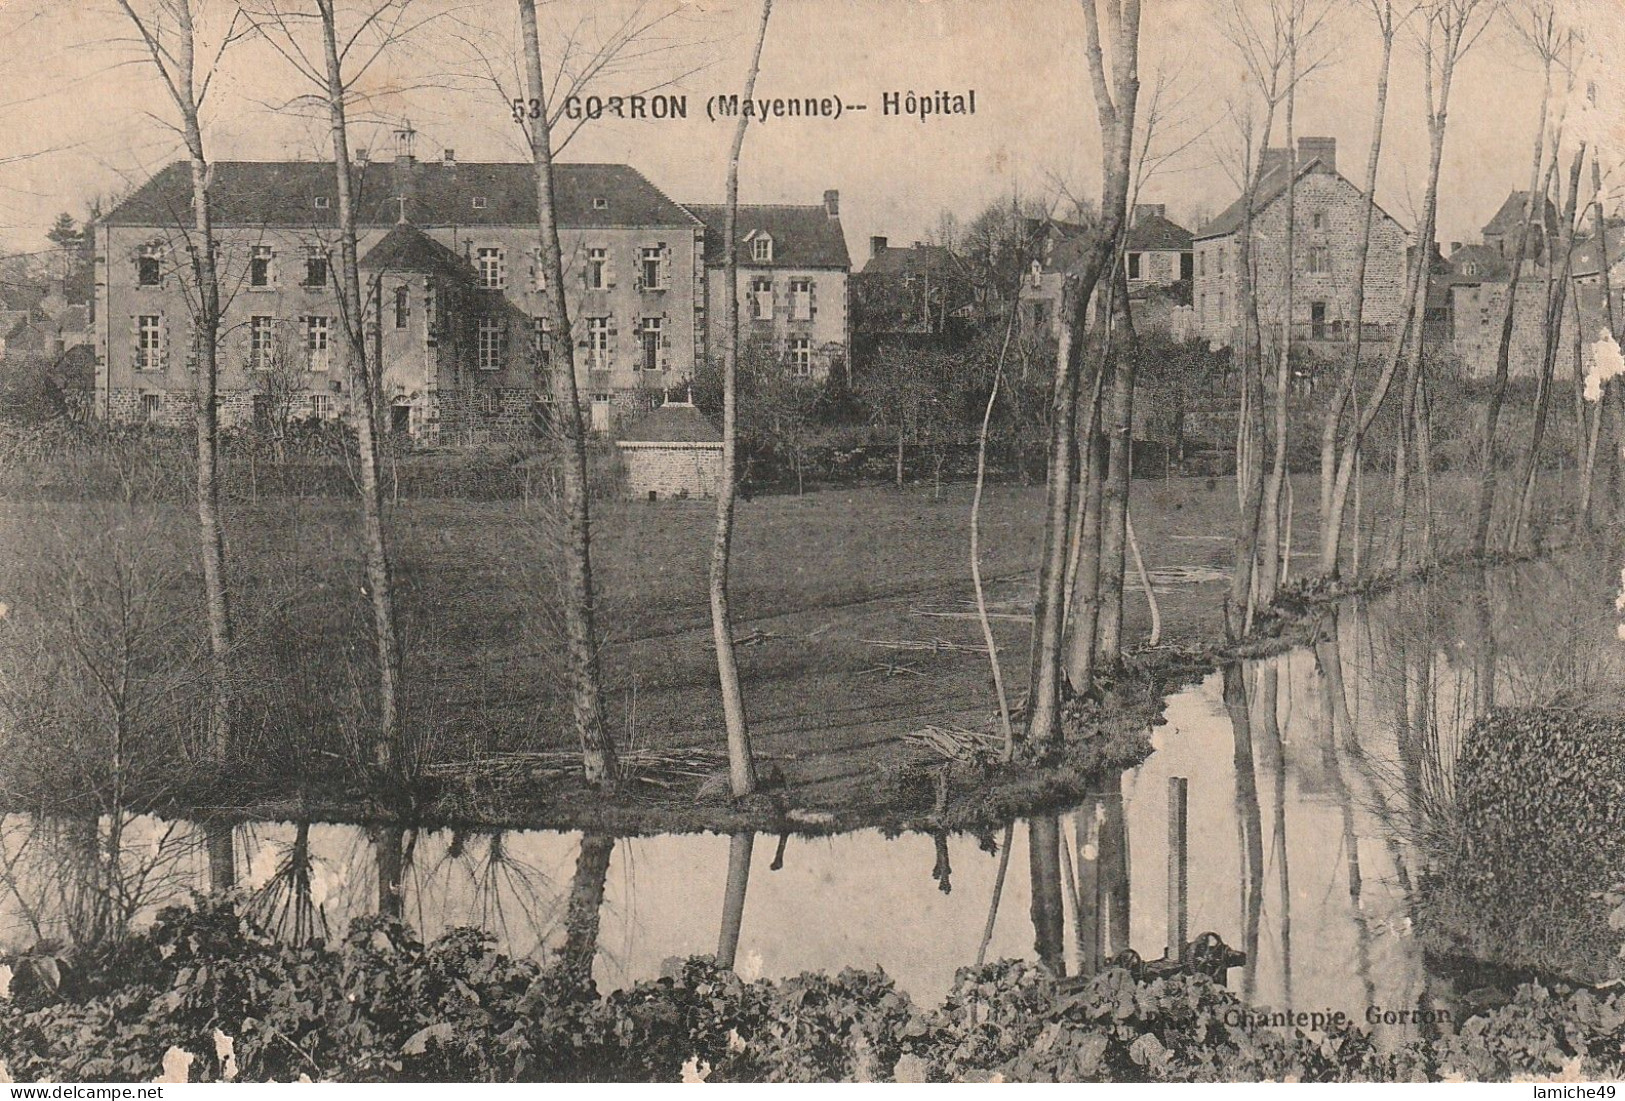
(1477, 312)
(672, 470)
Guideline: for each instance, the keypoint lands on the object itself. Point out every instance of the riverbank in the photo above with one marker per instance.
(855, 620)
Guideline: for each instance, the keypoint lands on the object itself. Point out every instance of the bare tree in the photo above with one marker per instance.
(741, 765)
(1116, 95)
(383, 25)
(581, 641)
(1449, 30)
(1538, 25)
(1331, 524)
(173, 53)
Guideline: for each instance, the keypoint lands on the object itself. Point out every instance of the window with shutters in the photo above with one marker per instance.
(318, 333)
(651, 331)
(598, 343)
(152, 407)
(597, 269)
(761, 298)
(761, 249)
(801, 356)
(489, 346)
(600, 412)
(149, 342)
(315, 266)
(541, 342)
(261, 340)
(1320, 259)
(149, 270)
(321, 406)
(801, 295)
(403, 306)
(492, 269)
(654, 269)
(259, 266)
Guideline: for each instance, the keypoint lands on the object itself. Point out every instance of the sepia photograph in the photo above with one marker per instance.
(817, 541)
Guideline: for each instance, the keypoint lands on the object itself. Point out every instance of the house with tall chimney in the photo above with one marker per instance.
(1329, 221)
(793, 282)
(456, 296)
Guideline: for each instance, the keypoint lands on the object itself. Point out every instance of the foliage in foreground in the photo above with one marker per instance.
(382, 1006)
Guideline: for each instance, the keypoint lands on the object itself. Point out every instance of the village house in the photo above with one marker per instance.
(793, 274)
(918, 291)
(1157, 252)
(1157, 257)
(1479, 278)
(1330, 219)
(454, 286)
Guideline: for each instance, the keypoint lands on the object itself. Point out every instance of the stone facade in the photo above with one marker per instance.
(665, 471)
(1330, 218)
(460, 355)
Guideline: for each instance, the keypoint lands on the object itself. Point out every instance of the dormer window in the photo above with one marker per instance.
(479, 202)
(761, 249)
(600, 203)
(321, 202)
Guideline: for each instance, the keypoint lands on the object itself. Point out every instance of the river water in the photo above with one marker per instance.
(1321, 788)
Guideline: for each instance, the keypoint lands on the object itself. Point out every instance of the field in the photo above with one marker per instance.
(853, 609)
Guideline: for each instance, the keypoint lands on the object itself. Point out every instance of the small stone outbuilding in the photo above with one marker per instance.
(673, 452)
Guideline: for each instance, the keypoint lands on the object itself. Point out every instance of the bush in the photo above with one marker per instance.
(206, 983)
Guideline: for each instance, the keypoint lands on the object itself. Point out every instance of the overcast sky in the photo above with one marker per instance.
(80, 91)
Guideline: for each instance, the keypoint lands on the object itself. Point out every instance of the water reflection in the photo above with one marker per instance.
(1322, 788)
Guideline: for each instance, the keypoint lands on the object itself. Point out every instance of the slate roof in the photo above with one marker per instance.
(674, 422)
(803, 236)
(1271, 187)
(1154, 233)
(1587, 257)
(284, 193)
(1490, 264)
(408, 248)
(1509, 219)
(909, 261)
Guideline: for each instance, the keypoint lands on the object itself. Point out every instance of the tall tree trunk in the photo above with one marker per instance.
(1250, 429)
(182, 87)
(1415, 312)
(1119, 472)
(1492, 416)
(1269, 553)
(1331, 523)
(1115, 110)
(365, 382)
(389, 855)
(217, 840)
(598, 756)
(741, 765)
(1557, 293)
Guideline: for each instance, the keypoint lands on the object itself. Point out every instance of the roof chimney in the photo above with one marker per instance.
(361, 154)
(877, 245)
(832, 203)
(1274, 159)
(1322, 149)
(1455, 247)
(449, 158)
(1143, 211)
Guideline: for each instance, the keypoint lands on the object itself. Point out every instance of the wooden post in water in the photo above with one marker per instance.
(1178, 882)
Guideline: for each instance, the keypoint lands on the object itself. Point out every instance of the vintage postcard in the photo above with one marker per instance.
(626, 541)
